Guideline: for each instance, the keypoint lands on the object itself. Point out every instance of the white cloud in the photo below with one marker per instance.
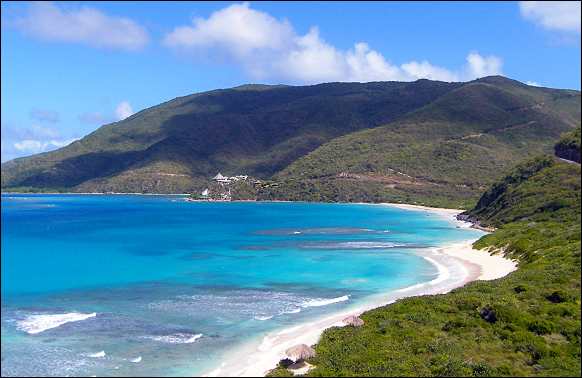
(533, 83)
(425, 70)
(268, 48)
(20, 141)
(237, 28)
(123, 110)
(479, 66)
(46, 21)
(553, 15)
(31, 146)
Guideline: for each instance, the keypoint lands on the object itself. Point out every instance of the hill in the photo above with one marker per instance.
(253, 129)
(425, 141)
(445, 153)
(536, 327)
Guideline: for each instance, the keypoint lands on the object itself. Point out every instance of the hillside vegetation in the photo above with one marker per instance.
(447, 152)
(535, 326)
(253, 130)
(569, 146)
(422, 142)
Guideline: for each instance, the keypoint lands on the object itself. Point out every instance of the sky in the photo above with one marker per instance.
(70, 67)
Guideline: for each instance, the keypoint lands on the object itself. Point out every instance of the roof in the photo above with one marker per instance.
(219, 176)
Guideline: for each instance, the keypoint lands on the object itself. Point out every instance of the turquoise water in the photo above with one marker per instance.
(153, 285)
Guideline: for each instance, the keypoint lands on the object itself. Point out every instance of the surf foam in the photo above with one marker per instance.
(39, 323)
(176, 338)
(96, 355)
(324, 302)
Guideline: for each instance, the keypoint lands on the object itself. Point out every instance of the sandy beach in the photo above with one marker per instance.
(457, 265)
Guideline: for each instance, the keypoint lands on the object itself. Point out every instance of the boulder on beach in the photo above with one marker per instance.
(353, 321)
(300, 352)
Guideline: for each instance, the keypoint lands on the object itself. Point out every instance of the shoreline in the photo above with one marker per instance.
(457, 265)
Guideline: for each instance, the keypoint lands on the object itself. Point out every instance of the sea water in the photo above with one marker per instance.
(118, 285)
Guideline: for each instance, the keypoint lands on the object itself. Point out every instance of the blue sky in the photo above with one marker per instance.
(68, 68)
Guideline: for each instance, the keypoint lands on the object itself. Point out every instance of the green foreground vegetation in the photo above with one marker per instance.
(525, 324)
(569, 146)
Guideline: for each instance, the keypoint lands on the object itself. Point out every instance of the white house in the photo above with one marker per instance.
(221, 179)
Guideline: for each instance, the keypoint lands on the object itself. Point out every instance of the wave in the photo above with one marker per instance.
(443, 275)
(324, 302)
(352, 245)
(96, 355)
(319, 231)
(135, 360)
(258, 317)
(292, 311)
(176, 338)
(38, 323)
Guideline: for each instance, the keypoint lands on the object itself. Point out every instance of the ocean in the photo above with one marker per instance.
(130, 285)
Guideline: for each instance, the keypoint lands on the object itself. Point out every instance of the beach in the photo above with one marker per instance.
(457, 265)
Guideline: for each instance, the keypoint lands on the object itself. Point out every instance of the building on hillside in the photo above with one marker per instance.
(227, 180)
(221, 179)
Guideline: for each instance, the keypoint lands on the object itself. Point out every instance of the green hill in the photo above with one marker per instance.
(426, 141)
(536, 331)
(254, 129)
(445, 153)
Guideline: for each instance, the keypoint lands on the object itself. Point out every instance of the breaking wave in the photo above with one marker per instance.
(39, 323)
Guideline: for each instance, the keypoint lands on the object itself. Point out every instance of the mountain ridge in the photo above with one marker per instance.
(269, 132)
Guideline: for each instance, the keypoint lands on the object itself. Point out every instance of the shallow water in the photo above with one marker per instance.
(153, 285)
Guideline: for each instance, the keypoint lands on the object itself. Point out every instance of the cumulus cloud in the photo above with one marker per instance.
(237, 28)
(479, 66)
(123, 110)
(533, 83)
(553, 15)
(31, 146)
(47, 21)
(268, 48)
(20, 141)
(44, 115)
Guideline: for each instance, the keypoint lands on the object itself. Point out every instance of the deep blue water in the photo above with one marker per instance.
(175, 285)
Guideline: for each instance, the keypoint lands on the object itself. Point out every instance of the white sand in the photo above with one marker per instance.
(457, 264)
(438, 210)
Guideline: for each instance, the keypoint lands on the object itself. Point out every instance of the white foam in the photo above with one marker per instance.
(258, 317)
(176, 338)
(324, 302)
(136, 360)
(38, 323)
(96, 355)
(443, 275)
(355, 245)
(292, 311)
